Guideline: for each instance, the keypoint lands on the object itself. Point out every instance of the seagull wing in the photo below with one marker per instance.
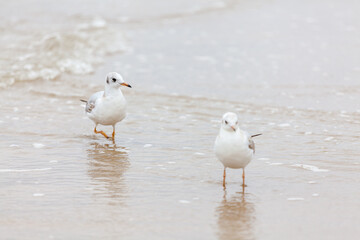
(91, 103)
(251, 144)
(250, 141)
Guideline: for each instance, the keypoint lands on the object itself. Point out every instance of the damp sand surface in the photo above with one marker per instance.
(188, 64)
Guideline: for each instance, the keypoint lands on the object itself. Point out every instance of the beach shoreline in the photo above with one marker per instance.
(161, 179)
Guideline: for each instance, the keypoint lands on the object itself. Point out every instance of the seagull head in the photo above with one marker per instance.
(115, 80)
(230, 122)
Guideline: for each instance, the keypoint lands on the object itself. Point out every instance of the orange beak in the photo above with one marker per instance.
(125, 84)
(233, 128)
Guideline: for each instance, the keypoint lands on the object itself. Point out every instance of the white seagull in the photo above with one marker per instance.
(108, 107)
(233, 146)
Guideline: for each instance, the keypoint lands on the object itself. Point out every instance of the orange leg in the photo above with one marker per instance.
(113, 134)
(104, 134)
(224, 178)
(243, 176)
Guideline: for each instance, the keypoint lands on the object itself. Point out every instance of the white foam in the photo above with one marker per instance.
(328, 138)
(296, 199)
(38, 145)
(315, 194)
(199, 153)
(276, 164)
(25, 170)
(75, 66)
(98, 23)
(284, 125)
(38, 194)
(184, 201)
(147, 145)
(263, 159)
(310, 167)
(344, 116)
(187, 148)
(77, 51)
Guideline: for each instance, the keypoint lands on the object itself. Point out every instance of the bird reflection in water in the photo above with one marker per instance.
(107, 165)
(236, 217)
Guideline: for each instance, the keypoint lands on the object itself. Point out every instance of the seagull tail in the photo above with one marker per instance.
(255, 135)
(82, 100)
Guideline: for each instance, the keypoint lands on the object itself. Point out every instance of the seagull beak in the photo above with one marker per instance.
(233, 128)
(125, 84)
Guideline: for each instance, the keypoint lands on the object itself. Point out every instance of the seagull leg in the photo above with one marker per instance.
(113, 134)
(224, 178)
(243, 177)
(104, 134)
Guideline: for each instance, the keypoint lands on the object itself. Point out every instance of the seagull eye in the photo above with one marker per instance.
(237, 123)
(114, 79)
(226, 122)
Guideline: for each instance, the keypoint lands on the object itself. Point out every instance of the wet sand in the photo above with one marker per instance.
(160, 180)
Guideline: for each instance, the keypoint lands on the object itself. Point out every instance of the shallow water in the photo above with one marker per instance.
(187, 66)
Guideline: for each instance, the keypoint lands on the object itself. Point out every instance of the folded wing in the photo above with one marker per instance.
(91, 103)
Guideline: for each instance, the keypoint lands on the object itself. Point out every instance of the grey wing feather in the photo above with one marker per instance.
(90, 105)
(251, 144)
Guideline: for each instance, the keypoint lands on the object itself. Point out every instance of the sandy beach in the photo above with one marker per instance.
(289, 69)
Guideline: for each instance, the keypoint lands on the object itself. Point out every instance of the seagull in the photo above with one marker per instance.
(108, 107)
(234, 147)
